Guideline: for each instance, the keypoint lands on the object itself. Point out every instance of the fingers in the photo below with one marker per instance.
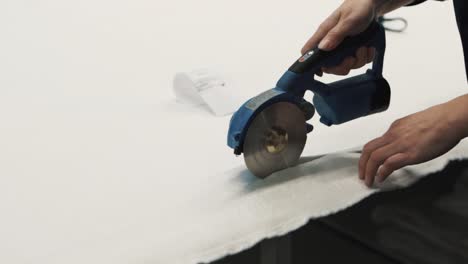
(343, 69)
(392, 164)
(367, 151)
(377, 158)
(321, 32)
(335, 35)
(370, 54)
(363, 56)
(381, 157)
(329, 35)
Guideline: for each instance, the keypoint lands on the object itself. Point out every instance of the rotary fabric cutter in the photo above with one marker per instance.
(271, 128)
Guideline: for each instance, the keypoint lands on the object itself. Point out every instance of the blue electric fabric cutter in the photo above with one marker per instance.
(271, 129)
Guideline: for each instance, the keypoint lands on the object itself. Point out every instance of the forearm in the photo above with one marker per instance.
(386, 6)
(459, 115)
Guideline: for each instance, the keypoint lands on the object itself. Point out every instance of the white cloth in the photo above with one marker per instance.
(98, 164)
(281, 203)
(94, 182)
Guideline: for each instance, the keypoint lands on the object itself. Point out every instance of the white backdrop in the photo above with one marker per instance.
(95, 154)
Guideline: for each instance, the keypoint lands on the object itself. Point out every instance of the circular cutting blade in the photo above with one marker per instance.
(275, 139)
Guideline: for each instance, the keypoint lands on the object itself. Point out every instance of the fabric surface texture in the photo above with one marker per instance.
(99, 164)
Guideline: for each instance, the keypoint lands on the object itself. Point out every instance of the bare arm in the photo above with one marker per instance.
(386, 6)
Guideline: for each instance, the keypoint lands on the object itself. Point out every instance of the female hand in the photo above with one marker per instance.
(414, 139)
(351, 18)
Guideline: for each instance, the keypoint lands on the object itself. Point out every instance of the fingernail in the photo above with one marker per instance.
(325, 44)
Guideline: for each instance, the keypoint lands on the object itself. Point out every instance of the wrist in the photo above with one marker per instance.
(459, 115)
(385, 6)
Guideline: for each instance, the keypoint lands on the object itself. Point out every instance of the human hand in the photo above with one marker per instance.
(351, 18)
(414, 139)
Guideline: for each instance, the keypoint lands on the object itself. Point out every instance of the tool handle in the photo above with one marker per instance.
(315, 59)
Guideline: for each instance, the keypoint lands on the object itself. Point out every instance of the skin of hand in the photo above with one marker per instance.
(414, 139)
(351, 18)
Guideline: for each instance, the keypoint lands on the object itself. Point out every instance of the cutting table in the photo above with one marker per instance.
(99, 164)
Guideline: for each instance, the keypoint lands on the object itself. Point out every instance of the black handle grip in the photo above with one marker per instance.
(313, 60)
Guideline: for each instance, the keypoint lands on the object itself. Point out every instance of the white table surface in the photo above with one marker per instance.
(91, 136)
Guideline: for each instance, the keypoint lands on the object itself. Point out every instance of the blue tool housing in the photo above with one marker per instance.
(336, 102)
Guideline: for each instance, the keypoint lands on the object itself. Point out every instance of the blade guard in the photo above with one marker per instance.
(242, 118)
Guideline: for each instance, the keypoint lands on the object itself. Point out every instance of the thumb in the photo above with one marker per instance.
(335, 36)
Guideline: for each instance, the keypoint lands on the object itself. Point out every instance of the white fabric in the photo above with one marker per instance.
(99, 164)
(281, 203)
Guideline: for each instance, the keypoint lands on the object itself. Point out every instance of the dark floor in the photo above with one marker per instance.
(426, 223)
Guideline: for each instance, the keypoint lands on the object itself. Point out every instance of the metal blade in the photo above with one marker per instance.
(275, 139)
